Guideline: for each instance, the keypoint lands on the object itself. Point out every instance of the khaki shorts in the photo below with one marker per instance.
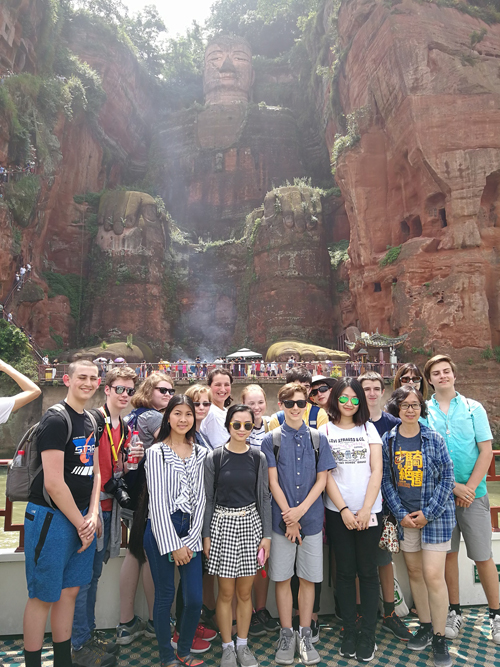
(308, 557)
(474, 523)
(413, 542)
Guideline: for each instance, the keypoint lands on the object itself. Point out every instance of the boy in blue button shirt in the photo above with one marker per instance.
(463, 423)
(297, 478)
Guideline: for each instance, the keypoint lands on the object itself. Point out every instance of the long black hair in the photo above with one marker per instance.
(165, 428)
(362, 414)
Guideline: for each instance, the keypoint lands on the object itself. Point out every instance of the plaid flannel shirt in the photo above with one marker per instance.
(437, 502)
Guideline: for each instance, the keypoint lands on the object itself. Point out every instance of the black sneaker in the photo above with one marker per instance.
(271, 624)
(421, 639)
(256, 629)
(314, 631)
(395, 625)
(365, 648)
(109, 646)
(92, 655)
(440, 651)
(348, 647)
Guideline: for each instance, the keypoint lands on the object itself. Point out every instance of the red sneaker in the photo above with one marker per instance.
(205, 633)
(190, 661)
(198, 646)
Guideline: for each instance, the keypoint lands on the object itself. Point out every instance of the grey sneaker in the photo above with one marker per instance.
(285, 647)
(149, 630)
(421, 639)
(307, 652)
(125, 634)
(92, 655)
(440, 652)
(228, 657)
(245, 657)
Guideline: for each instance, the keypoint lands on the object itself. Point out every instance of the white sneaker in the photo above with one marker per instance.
(495, 628)
(453, 625)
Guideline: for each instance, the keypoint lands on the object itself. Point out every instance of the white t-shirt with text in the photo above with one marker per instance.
(351, 451)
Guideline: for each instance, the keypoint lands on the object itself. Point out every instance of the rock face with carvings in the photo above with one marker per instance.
(422, 85)
(289, 289)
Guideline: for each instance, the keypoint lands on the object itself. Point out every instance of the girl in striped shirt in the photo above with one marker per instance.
(174, 473)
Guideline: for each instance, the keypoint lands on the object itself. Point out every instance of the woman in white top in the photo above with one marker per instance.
(174, 473)
(213, 426)
(354, 512)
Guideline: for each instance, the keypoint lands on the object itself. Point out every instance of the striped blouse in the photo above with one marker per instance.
(175, 484)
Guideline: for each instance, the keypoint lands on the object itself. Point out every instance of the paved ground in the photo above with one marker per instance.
(473, 648)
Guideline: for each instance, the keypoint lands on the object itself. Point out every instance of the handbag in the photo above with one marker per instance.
(389, 540)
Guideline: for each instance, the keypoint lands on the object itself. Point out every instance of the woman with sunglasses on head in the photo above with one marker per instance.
(418, 486)
(213, 427)
(237, 529)
(354, 512)
(176, 508)
(410, 374)
(149, 402)
(200, 396)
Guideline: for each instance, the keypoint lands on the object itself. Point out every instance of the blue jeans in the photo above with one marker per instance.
(163, 571)
(84, 618)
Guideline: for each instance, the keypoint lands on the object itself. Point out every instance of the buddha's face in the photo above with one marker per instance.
(228, 74)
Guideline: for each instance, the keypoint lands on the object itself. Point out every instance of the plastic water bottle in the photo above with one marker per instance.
(133, 461)
(18, 462)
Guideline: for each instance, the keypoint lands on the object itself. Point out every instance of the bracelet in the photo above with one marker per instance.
(344, 508)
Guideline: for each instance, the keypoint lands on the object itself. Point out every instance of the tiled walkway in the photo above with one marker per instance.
(473, 648)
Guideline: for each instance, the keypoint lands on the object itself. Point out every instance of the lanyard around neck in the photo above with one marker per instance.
(114, 450)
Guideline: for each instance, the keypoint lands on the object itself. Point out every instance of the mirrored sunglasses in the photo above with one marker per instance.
(119, 389)
(345, 399)
(406, 379)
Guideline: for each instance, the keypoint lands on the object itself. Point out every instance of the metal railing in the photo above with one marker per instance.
(191, 372)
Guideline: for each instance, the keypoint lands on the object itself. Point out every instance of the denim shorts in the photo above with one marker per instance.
(52, 563)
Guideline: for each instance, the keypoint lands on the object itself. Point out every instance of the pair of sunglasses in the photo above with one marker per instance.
(323, 389)
(119, 389)
(345, 399)
(410, 380)
(300, 404)
(164, 390)
(248, 426)
(205, 404)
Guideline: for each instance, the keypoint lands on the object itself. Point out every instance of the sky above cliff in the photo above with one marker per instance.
(177, 18)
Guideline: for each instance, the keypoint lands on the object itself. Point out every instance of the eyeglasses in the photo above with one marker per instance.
(345, 399)
(205, 404)
(164, 390)
(248, 426)
(119, 389)
(300, 403)
(413, 406)
(406, 379)
(323, 389)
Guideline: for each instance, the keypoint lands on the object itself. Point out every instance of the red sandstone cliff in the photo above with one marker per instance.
(425, 172)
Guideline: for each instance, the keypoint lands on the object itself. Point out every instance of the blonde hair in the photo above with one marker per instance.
(195, 390)
(143, 398)
(252, 387)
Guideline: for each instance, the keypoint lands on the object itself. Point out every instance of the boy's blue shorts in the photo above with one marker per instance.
(51, 544)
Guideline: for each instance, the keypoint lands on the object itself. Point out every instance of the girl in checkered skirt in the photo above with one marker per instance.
(236, 529)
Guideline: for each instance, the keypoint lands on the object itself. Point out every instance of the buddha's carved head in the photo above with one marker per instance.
(228, 74)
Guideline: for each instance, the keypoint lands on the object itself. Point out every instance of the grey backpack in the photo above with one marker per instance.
(20, 477)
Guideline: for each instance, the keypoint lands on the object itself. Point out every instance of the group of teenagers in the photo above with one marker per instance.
(225, 492)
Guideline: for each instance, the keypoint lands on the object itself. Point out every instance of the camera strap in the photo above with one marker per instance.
(123, 432)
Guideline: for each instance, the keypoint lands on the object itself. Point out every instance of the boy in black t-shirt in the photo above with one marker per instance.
(59, 540)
